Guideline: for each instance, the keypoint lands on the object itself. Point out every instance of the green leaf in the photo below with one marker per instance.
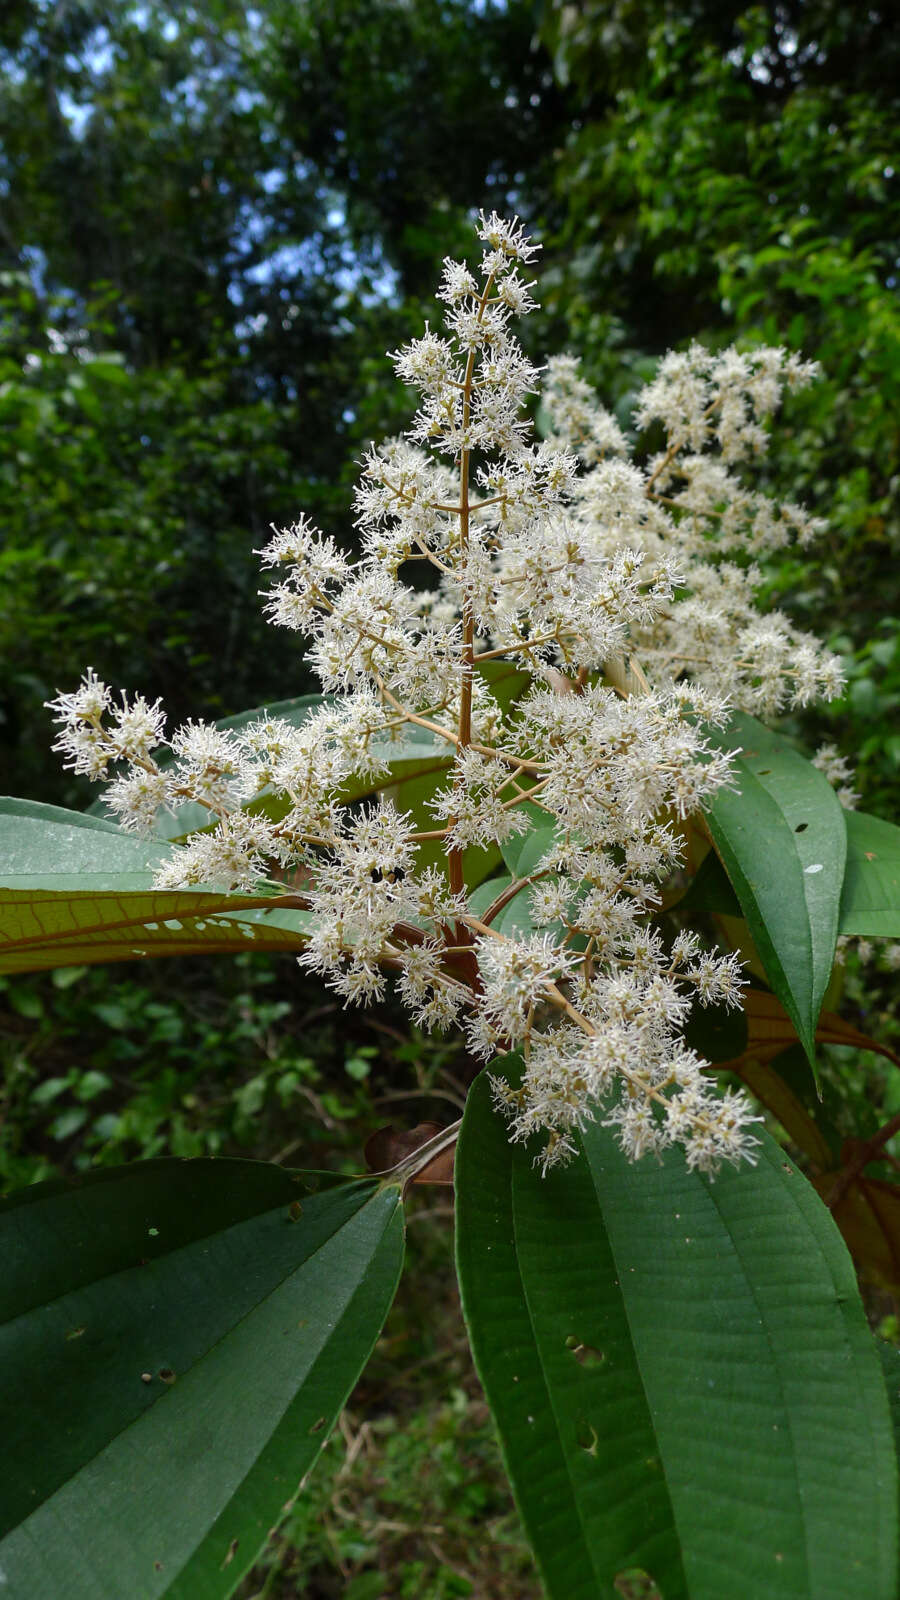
(507, 682)
(486, 893)
(48, 847)
(681, 1372)
(870, 902)
(784, 843)
(525, 851)
(40, 929)
(889, 1356)
(515, 918)
(76, 889)
(177, 1339)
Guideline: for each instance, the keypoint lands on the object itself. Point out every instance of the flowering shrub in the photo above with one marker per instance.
(558, 572)
(548, 658)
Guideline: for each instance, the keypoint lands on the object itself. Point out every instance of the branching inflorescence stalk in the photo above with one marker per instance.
(568, 562)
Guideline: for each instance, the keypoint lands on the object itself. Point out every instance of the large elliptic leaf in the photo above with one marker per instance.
(77, 889)
(507, 682)
(870, 903)
(40, 929)
(176, 1340)
(681, 1372)
(783, 841)
(294, 711)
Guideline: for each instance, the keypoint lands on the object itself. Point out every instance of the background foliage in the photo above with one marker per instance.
(211, 228)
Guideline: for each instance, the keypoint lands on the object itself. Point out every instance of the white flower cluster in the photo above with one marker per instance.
(884, 954)
(839, 773)
(550, 562)
(689, 506)
(89, 746)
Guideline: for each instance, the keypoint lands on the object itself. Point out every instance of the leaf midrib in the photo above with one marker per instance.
(547, 1390)
(165, 1255)
(563, 1451)
(233, 1327)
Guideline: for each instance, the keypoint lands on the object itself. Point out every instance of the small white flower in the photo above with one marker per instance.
(135, 799)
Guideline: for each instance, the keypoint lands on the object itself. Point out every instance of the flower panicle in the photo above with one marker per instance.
(615, 599)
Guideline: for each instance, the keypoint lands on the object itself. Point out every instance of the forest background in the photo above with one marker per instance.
(213, 224)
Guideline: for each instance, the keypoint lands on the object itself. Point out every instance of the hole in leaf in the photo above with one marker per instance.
(636, 1584)
(587, 1437)
(166, 1374)
(229, 1554)
(587, 1355)
(801, 827)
